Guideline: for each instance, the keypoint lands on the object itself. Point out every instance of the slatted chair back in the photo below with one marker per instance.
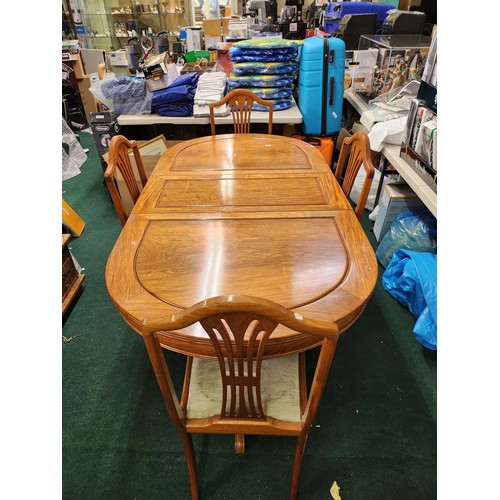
(240, 103)
(355, 151)
(119, 159)
(240, 329)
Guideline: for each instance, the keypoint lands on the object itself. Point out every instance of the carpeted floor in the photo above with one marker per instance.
(375, 434)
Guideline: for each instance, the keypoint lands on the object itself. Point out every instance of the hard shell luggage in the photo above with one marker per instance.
(323, 144)
(321, 85)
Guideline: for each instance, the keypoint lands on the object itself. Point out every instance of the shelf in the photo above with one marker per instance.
(422, 188)
(101, 18)
(124, 37)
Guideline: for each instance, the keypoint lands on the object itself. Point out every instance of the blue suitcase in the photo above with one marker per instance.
(321, 85)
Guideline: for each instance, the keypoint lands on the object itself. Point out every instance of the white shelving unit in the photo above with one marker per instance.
(390, 151)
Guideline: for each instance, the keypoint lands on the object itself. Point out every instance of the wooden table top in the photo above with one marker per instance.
(249, 214)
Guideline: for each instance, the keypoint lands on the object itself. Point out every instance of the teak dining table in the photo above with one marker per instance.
(248, 214)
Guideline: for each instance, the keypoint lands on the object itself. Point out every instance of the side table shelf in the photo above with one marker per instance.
(71, 279)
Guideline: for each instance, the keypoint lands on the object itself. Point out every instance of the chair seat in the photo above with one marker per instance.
(279, 386)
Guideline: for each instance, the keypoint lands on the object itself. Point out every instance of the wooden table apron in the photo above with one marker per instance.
(246, 214)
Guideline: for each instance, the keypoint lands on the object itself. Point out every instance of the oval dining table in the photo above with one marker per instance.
(243, 214)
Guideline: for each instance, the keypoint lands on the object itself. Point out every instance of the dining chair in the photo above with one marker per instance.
(238, 391)
(119, 159)
(240, 103)
(354, 153)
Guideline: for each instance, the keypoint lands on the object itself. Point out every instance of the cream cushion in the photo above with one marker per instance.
(279, 388)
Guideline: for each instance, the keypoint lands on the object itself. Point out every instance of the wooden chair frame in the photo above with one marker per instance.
(355, 151)
(239, 350)
(241, 102)
(119, 149)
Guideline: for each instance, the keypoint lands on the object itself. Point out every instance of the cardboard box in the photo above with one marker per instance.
(216, 27)
(151, 152)
(396, 198)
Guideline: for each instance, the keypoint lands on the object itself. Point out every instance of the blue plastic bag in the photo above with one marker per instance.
(411, 278)
(410, 231)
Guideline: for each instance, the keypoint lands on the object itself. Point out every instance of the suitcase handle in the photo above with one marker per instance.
(315, 141)
(332, 81)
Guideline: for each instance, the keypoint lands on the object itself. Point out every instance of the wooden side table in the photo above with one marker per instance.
(71, 279)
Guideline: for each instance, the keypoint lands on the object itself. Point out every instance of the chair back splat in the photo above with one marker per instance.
(238, 390)
(119, 159)
(240, 103)
(355, 151)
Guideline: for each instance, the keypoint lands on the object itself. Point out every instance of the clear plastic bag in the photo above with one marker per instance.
(399, 98)
(415, 231)
(123, 95)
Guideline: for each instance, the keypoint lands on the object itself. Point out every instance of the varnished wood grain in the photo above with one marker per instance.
(200, 230)
(268, 257)
(242, 152)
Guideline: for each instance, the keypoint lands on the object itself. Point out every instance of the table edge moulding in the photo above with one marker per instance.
(201, 232)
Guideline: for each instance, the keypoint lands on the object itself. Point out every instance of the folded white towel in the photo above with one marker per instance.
(204, 110)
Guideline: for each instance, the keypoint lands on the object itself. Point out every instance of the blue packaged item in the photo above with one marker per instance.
(267, 43)
(411, 278)
(264, 50)
(278, 105)
(236, 81)
(262, 56)
(263, 68)
(272, 92)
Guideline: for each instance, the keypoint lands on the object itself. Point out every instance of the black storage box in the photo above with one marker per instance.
(104, 127)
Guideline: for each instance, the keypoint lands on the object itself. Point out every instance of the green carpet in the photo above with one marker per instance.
(375, 434)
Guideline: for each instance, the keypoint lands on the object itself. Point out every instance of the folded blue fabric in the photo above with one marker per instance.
(187, 79)
(174, 109)
(182, 89)
(169, 95)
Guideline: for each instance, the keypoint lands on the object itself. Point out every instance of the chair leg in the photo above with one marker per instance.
(187, 443)
(239, 443)
(297, 462)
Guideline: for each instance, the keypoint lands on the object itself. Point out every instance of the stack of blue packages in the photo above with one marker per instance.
(267, 67)
(178, 98)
